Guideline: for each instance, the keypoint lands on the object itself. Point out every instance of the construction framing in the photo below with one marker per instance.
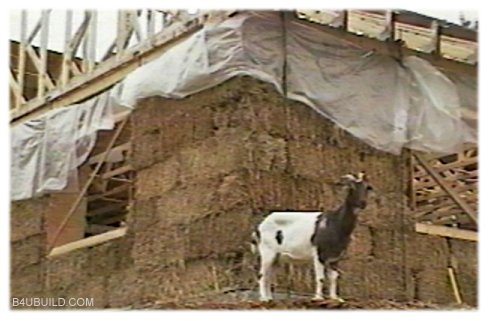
(443, 192)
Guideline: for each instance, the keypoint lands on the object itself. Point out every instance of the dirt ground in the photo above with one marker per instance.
(246, 300)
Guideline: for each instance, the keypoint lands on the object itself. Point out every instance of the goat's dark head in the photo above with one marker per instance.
(358, 189)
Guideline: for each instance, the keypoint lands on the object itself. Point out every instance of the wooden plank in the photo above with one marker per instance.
(135, 26)
(394, 49)
(78, 37)
(14, 86)
(150, 23)
(21, 62)
(446, 232)
(34, 31)
(37, 62)
(446, 167)
(43, 54)
(474, 174)
(66, 64)
(110, 72)
(118, 171)
(454, 284)
(92, 46)
(89, 241)
(449, 29)
(441, 193)
(459, 201)
(423, 209)
(84, 190)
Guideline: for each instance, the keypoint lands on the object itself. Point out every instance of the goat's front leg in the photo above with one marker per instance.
(319, 273)
(333, 284)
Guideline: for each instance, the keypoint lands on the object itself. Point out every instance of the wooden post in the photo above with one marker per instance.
(65, 68)
(87, 184)
(390, 22)
(345, 20)
(453, 195)
(436, 39)
(150, 23)
(21, 63)
(93, 40)
(453, 282)
(42, 72)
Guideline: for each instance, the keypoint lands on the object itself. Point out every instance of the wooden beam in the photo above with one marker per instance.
(453, 281)
(451, 232)
(14, 86)
(37, 62)
(92, 45)
(88, 242)
(110, 72)
(43, 54)
(449, 166)
(150, 28)
(84, 190)
(78, 37)
(395, 49)
(459, 201)
(441, 193)
(66, 63)
(21, 62)
(35, 31)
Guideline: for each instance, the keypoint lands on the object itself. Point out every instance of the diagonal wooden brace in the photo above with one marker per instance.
(452, 194)
(87, 184)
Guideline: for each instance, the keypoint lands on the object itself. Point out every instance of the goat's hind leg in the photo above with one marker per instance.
(319, 274)
(267, 258)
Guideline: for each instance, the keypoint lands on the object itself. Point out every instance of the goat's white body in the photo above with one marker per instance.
(296, 229)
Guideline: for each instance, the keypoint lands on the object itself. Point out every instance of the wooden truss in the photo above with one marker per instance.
(140, 39)
(444, 193)
(80, 74)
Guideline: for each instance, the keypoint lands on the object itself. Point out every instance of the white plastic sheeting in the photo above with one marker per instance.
(386, 103)
(47, 151)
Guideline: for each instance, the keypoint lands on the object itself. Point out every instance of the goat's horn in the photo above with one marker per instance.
(350, 177)
(361, 176)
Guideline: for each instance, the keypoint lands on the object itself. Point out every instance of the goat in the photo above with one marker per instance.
(322, 237)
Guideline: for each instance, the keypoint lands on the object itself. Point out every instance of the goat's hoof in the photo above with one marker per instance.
(266, 300)
(338, 299)
(318, 298)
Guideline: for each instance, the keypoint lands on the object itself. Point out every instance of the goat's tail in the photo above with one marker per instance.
(255, 240)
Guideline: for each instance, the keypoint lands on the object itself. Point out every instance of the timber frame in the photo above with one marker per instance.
(443, 195)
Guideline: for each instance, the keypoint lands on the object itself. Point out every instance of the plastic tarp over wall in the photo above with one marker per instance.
(386, 103)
